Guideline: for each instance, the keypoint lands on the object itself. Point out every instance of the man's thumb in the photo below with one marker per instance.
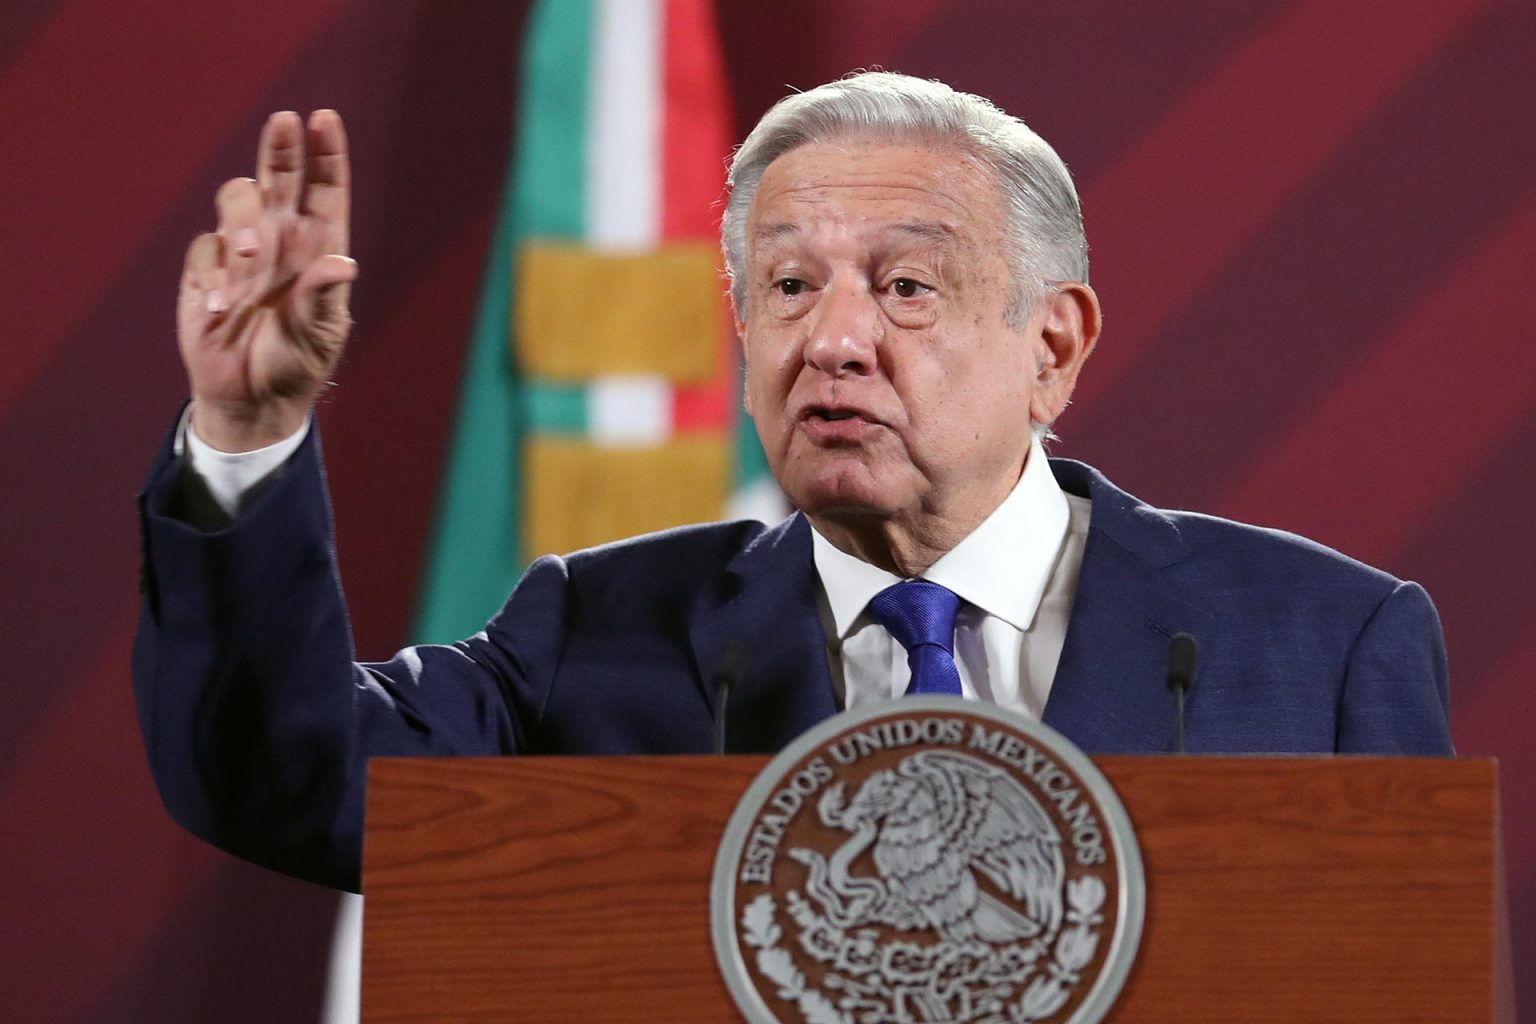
(326, 272)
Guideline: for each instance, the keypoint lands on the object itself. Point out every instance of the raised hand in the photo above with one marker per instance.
(262, 315)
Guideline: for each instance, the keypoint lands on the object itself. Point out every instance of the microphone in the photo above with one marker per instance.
(1181, 672)
(725, 677)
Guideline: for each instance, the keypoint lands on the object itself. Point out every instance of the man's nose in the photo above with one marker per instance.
(844, 330)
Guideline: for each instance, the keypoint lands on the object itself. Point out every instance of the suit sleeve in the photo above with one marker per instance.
(258, 722)
(1396, 689)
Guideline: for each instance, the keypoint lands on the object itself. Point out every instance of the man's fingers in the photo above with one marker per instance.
(327, 175)
(240, 209)
(327, 271)
(324, 276)
(280, 160)
(321, 293)
(238, 202)
(204, 255)
(203, 276)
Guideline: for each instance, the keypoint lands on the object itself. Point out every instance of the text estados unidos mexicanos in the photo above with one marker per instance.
(1055, 784)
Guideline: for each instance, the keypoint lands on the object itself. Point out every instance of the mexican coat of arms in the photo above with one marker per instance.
(930, 862)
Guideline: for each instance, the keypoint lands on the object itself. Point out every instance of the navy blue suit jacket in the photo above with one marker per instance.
(259, 724)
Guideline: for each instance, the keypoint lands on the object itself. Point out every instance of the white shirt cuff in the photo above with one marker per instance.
(230, 476)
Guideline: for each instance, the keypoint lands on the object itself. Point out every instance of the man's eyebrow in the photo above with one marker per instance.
(926, 230)
(767, 234)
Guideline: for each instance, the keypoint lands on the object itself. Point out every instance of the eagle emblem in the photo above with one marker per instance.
(940, 823)
(936, 861)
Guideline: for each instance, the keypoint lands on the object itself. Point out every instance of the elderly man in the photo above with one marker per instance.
(909, 277)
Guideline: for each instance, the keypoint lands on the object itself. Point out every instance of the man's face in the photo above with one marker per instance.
(882, 373)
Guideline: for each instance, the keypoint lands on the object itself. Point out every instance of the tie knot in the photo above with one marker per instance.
(917, 612)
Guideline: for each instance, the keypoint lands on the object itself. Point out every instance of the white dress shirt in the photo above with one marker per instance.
(1015, 574)
(231, 476)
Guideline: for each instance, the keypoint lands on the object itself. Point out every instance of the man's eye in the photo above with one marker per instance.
(907, 288)
(789, 286)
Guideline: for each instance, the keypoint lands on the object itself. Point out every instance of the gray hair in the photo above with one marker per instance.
(1045, 228)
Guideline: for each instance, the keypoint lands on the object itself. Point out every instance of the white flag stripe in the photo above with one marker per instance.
(758, 498)
(624, 125)
(629, 412)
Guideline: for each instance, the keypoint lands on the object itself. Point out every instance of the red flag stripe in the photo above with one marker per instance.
(1415, 410)
(696, 128)
(702, 408)
(103, 199)
(695, 121)
(1174, 210)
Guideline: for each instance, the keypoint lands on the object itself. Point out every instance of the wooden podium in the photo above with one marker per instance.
(1278, 889)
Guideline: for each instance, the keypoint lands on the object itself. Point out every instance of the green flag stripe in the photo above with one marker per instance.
(750, 462)
(475, 555)
(551, 178)
(469, 559)
(556, 408)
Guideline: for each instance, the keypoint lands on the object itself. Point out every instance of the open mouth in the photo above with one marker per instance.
(837, 426)
(828, 414)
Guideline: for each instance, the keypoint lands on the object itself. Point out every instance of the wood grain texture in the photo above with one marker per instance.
(1279, 889)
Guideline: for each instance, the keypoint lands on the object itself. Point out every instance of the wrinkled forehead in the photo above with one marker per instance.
(937, 238)
(914, 193)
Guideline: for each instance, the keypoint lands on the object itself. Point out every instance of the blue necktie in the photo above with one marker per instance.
(921, 616)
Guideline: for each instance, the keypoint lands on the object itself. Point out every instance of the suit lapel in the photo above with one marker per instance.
(1109, 694)
(767, 636)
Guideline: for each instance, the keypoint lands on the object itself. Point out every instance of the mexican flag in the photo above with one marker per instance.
(600, 397)
(601, 392)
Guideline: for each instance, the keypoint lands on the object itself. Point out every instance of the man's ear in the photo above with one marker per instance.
(1066, 326)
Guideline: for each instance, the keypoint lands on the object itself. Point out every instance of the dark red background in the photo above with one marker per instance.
(1314, 232)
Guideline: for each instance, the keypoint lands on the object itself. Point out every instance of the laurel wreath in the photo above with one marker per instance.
(1045, 994)
(1075, 947)
(761, 933)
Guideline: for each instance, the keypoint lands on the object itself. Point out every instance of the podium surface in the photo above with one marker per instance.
(1278, 889)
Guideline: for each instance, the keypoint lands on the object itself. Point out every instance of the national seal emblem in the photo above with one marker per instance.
(930, 861)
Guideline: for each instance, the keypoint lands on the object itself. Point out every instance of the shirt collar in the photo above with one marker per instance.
(1002, 567)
